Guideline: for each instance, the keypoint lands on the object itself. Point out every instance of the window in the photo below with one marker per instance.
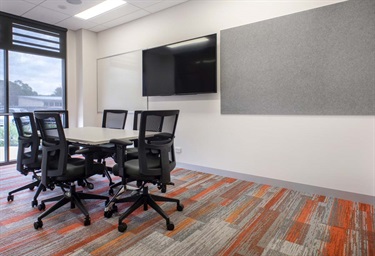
(28, 36)
(32, 73)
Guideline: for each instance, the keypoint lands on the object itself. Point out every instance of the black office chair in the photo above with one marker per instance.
(114, 119)
(61, 170)
(154, 124)
(28, 155)
(132, 152)
(64, 116)
(156, 160)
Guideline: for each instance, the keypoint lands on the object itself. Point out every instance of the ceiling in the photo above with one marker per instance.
(61, 13)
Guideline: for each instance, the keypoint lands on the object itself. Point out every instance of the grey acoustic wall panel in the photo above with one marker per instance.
(316, 62)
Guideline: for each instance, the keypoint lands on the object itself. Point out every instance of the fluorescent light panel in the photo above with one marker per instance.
(194, 41)
(99, 9)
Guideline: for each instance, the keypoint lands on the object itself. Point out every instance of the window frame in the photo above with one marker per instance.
(7, 22)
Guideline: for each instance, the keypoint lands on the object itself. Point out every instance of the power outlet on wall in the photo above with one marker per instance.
(178, 149)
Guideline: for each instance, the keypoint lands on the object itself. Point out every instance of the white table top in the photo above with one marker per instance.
(98, 135)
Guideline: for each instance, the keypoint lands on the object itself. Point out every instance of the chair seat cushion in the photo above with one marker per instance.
(75, 169)
(132, 168)
(131, 153)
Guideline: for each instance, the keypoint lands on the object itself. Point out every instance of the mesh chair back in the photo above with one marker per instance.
(114, 118)
(154, 123)
(64, 115)
(161, 145)
(28, 140)
(55, 147)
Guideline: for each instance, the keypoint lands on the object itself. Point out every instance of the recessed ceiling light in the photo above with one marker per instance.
(99, 9)
(74, 1)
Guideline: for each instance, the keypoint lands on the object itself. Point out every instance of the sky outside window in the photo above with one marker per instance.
(42, 74)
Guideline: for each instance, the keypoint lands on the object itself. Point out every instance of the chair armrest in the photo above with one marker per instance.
(87, 150)
(120, 150)
(121, 142)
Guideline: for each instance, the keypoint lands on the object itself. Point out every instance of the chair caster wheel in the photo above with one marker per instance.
(108, 214)
(114, 208)
(90, 185)
(122, 227)
(34, 203)
(110, 192)
(180, 207)
(87, 221)
(41, 207)
(31, 188)
(10, 198)
(38, 224)
(82, 183)
(170, 226)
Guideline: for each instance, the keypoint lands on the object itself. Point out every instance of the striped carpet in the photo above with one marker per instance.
(222, 216)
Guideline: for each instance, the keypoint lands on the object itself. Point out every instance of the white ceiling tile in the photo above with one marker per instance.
(61, 13)
(114, 14)
(98, 28)
(16, 7)
(143, 3)
(71, 9)
(163, 5)
(127, 18)
(74, 23)
(45, 15)
(35, 1)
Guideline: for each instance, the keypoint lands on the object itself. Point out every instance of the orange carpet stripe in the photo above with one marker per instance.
(226, 202)
(25, 240)
(230, 180)
(237, 190)
(19, 217)
(336, 245)
(369, 216)
(263, 189)
(188, 177)
(239, 210)
(202, 211)
(321, 198)
(307, 210)
(275, 198)
(208, 190)
(237, 242)
(106, 248)
(85, 241)
(182, 225)
(177, 192)
(249, 236)
(369, 222)
(69, 228)
(297, 232)
(344, 216)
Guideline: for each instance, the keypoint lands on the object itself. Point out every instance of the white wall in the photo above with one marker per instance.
(86, 79)
(335, 152)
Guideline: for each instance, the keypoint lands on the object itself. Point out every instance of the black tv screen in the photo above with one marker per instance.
(187, 67)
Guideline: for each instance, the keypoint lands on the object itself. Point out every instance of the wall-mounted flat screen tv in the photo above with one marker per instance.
(187, 67)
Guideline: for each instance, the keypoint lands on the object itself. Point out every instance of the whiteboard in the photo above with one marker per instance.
(120, 82)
